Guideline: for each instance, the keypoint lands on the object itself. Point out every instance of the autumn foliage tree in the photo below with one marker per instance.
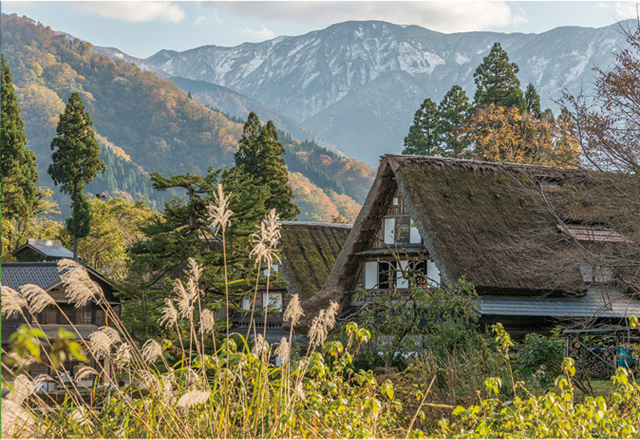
(503, 124)
(499, 134)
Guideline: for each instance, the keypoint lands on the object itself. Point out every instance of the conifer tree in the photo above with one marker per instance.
(452, 111)
(258, 157)
(423, 137)
(19, 172)
(184, 231)
(496, 81)
(533, 101)
(76, 161)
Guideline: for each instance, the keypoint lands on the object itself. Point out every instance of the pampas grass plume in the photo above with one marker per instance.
(12, 302)
(151, 351)
(193, 398)
(37, 297)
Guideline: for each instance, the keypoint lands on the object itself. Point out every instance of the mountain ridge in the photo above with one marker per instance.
(319, 79)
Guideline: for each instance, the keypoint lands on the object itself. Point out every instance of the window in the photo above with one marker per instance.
(433, 274)
(596, 274)
(389, 274)
(246, 302)
(370, 274)
(401, 282)
(389, 226)
(274, 302)
(379, 275)
(386, 271)
(395, 201)
(414, 235)
(274, 268)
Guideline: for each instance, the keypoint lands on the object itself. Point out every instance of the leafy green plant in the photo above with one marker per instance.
(541, 356)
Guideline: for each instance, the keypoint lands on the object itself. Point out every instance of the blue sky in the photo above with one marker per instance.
(142, 28)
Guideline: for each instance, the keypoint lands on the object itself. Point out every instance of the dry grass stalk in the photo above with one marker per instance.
(294, 311)
(283, 351)
(220, 212)
(12, 302)
(38, 299)
(151, 351)
(80, 288)
(169, 314)
(193, 398)
(207, 321)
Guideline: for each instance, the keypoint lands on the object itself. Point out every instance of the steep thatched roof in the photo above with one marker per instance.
(487, 221)
(309, 251)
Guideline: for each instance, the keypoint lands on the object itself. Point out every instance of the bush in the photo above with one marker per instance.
(541, 357)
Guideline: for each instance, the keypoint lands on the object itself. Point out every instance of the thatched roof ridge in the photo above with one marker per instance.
(309, 252)
(473, 216)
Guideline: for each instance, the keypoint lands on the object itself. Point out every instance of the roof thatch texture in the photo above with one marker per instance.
(309, 251)
(488, 221)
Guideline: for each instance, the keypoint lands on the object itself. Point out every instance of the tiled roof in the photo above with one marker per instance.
(43, 274)
(48, 248)
(595, 303)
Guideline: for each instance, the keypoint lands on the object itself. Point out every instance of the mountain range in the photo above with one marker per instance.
(358, 84)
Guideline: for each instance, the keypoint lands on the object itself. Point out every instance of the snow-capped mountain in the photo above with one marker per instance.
(358, 84)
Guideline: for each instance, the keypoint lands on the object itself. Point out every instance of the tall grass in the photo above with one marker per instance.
(230, 391)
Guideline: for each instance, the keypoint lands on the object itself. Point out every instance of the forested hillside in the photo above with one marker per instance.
(143, 117)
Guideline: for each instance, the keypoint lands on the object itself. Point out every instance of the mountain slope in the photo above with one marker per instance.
(357, 84)
(238, 105)
(148, 121)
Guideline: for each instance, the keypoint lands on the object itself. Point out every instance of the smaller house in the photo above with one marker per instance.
(86, 319)
(309, 250)
(42, 250)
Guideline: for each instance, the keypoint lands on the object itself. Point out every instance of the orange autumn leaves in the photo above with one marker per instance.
(498, 134)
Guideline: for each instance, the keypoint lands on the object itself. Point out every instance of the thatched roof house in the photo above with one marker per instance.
(309, 251)
(490, 222)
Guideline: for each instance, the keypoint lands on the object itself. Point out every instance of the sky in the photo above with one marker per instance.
(141, 29)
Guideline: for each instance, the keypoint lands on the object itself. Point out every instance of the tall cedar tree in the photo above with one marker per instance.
(19, 171)
(258, 157)
(184, 230)
(453, 111)
(532, 99)
(76, 161)
(496, 81)
(423, 136)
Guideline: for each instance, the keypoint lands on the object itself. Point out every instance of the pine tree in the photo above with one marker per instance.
(19, 172)
(183, 231)
(496, 81)
(76, 161)
(423, 135)
(258, 157)
(533, 101)
(453, 110)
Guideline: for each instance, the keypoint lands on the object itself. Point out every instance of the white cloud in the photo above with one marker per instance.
(620, 10)
(10, 5)
(205, 20)
(261, 35)
(451, 16)
(135, 11)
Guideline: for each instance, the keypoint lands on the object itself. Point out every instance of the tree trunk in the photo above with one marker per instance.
(75, 239)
